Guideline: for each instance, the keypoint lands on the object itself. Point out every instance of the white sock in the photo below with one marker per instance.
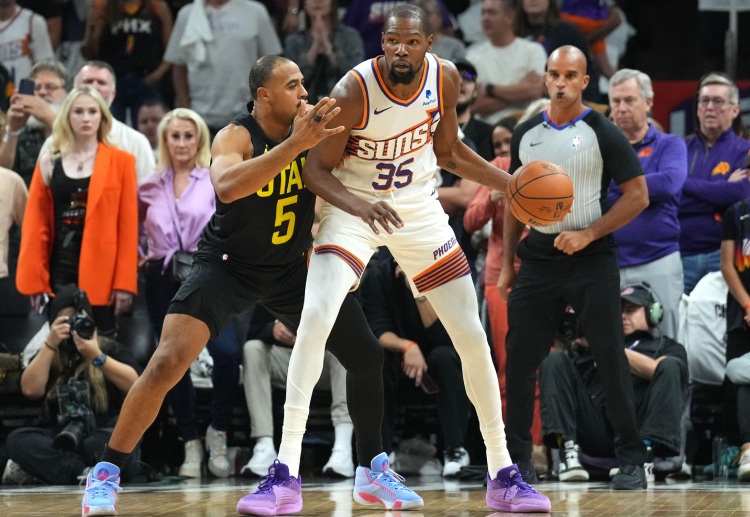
(343, 436)
(265, 440)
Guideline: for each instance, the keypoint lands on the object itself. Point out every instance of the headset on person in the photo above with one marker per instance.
(653, 307)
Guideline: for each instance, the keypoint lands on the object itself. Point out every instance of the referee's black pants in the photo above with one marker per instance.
(546, 283)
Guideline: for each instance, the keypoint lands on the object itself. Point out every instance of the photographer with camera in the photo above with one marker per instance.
(83, 379)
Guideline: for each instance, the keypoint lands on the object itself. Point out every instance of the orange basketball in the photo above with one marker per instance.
(540, 194)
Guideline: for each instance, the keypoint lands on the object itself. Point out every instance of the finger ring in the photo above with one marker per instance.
(317, 118)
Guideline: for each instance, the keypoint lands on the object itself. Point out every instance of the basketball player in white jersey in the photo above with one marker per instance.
(399, 115)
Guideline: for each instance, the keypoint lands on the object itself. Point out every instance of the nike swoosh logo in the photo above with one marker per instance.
(532, 144)
(376, 112)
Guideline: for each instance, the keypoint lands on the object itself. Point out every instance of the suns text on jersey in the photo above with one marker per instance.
(396, 146)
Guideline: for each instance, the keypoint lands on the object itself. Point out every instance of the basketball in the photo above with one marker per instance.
(540, 194)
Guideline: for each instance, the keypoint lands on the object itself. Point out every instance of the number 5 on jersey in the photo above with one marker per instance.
(284, 218)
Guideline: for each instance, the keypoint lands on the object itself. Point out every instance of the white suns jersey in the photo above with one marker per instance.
(391, 149)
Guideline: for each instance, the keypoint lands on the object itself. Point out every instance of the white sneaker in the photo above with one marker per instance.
(216, 446)
(340, 464)
(570, 466)
(15, 475)
(649, 470)
(743, 473)
(263, 456)
(454, 460)
(193, 464)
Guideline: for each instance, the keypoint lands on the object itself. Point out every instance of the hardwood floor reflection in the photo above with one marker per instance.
(218, 498)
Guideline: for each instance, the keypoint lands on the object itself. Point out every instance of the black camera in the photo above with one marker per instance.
(82, 323)
(75, 417)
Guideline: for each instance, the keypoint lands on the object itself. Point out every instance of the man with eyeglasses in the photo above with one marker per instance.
(30, 118)
(717, 177)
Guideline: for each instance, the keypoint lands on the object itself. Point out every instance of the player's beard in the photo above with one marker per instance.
(402, 78)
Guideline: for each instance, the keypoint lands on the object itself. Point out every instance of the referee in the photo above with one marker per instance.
(572, 262)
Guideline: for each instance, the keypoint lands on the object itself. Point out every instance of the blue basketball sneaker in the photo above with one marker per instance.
(102, 485)
(381, 485)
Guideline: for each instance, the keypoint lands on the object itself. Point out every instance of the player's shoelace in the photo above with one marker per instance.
(517, 480)
(268, 481)
(393, 478)
(101, 488)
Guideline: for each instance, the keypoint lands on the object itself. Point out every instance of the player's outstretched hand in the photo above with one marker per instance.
(310, 122)
(380, 212)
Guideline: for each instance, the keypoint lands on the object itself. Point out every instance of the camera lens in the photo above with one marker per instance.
(68, 439)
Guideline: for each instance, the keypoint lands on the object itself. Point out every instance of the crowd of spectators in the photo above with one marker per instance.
(104, 180)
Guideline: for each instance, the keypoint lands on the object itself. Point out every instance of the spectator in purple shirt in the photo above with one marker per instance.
(175, 203)
(648, 248)
(717, 177)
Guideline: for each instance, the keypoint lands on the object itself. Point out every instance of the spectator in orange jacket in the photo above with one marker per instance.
(81, 223)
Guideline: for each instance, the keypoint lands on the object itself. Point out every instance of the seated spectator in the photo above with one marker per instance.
(175, 203)
(574, 411)
(64, 443)
(81, 226)
(510, 68)
(734, 261)
(266, 357)
(30, 118)
(454, 192)
(52, 14)
(325, 50)
(74, 15)
(717, 177)
(25, 37)
(409, 328)
(13, 196)
(130, 35)
(149, 115)
(597, 19)
(540, 21)
(480, 133)
(444, 45)
(502, 132)
(648, 247)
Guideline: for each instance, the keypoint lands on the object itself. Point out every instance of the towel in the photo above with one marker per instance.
(197, 33)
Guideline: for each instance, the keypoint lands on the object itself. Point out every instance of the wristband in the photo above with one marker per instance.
(490, 89)
(746, 306)
(407, 347)
(50, 347)
(292, 10)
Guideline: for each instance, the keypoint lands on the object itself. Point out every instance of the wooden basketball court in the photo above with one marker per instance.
(218, 498)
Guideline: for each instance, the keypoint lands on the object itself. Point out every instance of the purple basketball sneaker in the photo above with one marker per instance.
(278, 494)
(508, 493)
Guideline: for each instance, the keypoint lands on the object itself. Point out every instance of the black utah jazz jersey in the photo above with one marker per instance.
(270, 227)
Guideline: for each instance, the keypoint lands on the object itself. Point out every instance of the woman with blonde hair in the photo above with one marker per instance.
(81, 224)
(175, 203)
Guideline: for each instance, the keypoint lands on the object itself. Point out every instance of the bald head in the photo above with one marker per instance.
(570, 55)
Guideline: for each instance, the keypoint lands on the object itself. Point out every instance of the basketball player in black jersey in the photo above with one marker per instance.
(253, 250)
